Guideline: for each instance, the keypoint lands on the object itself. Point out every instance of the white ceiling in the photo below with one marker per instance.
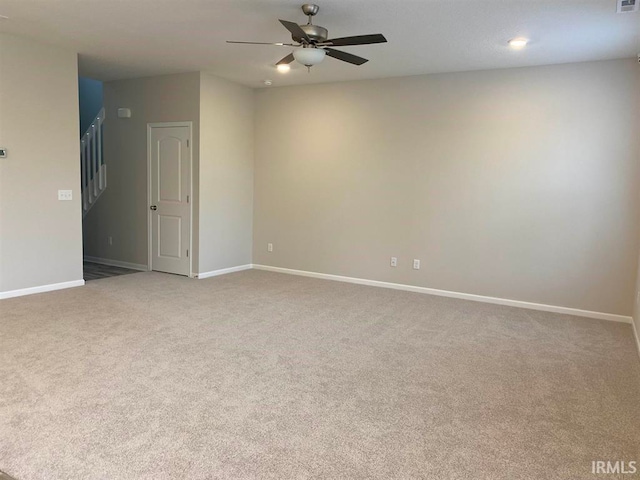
(132, 38)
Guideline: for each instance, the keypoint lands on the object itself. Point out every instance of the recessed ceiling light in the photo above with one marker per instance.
(267, 82)
(519, 42)
(283, 67)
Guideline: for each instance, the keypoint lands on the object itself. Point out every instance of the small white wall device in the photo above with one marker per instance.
(65, 194)
(3, 152)
(124, 113)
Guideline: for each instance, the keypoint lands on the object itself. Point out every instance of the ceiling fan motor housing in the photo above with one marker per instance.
(315, 32)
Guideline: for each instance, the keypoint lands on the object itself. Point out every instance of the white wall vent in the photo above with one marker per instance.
(628, 6)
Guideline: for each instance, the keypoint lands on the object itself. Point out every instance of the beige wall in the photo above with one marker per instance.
(40, 237)
(121, 211)
(226, 174)
(521, 184)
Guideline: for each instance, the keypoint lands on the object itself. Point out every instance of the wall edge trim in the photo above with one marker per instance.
(459, 295)
(223, 271)
(40, 289)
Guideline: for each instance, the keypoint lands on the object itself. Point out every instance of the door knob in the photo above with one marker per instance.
(153, 207)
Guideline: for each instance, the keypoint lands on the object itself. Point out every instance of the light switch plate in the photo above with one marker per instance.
(65, 195)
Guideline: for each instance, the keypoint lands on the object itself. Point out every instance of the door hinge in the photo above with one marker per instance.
(187, 198)
(187, 143)
(187, 253)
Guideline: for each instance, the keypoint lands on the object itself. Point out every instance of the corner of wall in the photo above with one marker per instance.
(225, 174)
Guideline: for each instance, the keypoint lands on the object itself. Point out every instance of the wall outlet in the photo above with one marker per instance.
(416, 264)
(269, 247)
(394, 261)
(110, 240)
(65, 195)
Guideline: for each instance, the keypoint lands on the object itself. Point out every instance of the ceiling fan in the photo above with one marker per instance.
(312, 42)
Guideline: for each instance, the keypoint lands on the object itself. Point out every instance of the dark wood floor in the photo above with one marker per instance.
(96, 271)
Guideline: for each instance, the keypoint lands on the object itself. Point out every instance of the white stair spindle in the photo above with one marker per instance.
(99, 148)
(90, 164)
(94, 158)
(83, 175)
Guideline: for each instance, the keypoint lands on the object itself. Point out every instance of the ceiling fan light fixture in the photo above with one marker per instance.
(309, 56)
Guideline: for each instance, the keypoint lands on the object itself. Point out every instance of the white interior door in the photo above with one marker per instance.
(170, 198)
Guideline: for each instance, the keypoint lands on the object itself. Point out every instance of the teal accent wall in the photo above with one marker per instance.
(91, 101)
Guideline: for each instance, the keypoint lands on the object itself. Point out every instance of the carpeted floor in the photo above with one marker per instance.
(264, 375)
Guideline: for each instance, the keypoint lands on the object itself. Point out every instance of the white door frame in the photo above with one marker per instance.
(150, 126)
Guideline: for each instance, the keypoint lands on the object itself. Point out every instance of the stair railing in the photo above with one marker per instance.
(93, 170)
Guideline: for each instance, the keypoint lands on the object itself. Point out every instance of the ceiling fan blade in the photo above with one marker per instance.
(286, 60)
(357, 40)
(296, 31)
(345, 57)
(279, 44)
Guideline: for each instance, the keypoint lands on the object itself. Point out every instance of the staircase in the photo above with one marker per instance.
(93, 170)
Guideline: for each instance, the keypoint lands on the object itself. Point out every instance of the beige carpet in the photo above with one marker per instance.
(263, 375)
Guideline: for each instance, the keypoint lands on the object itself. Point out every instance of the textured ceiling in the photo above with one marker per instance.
(133, 38)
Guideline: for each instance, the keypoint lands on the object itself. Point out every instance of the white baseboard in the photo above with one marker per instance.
(446, 293)
(223, 271)
(116, 263)
(41, 289)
